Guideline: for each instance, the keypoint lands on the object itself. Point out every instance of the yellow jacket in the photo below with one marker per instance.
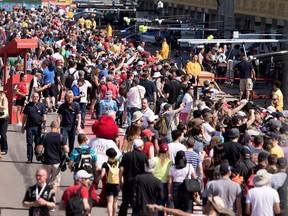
(165, 50)
(193, 68)
(81, 21)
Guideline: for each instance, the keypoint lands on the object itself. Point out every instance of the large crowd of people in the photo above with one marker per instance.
(176, 128)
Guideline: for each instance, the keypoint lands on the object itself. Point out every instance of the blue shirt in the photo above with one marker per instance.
(49, 76)
(76, 91)
(103, 73)
(107, 104)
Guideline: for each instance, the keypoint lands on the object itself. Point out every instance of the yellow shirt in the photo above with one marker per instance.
(109, 30)
(81, 21)
(280, 103)
(165, 50)
(161, 171)
(88, 24)
(94, 24)
(70, 14)
(115, 48)
(277, 150)
(193, 68)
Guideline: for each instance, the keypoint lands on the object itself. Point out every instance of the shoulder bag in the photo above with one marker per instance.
(191, 185)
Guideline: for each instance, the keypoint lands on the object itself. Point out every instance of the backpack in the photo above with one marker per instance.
(75, 206)
(283, 193)
(113, 174)
(69, 79)
(161, 125)
(84, 160)
(249, 184)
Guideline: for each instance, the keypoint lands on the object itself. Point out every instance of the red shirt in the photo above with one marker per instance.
(72, 190)
(147, 146)
(22, 86)
(111, 87)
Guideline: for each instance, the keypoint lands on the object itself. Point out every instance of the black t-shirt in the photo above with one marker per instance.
(172, 88)
(69, 113)
(53, 143)
(232, 152)
(150, 89)
(133, 163)
(245, 69)
(243, 167)
(48, 194)
(148, 190)
(34, 113)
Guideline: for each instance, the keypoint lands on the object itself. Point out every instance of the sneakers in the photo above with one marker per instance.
(54, 109)
(19, 124)
(49, 110)
(29, 161)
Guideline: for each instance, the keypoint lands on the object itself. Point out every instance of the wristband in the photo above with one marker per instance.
(160, 208)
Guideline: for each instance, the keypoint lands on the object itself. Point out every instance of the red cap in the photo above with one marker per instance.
(163, 148)
(131, 45)
(147, 132)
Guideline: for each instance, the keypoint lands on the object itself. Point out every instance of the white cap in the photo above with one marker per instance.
(241, 113)
(140, 63)
(137, 143)
(151, 118)
(271, 109)
(157, 74)
(82, 174)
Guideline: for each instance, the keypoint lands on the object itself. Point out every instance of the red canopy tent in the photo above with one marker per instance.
(14, 49)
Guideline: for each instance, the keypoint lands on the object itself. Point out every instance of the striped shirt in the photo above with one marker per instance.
(193, 158)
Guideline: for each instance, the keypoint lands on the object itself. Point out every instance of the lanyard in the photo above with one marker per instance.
(41, 191)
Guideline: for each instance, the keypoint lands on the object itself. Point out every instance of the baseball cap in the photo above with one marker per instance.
(272, 135)
(137, 143)
(279, 114)
(275, 123)
(163, 148)
(224, 168)
(262, 156)
(82, 174)
(234, 132)
(151, 118)
(147, 132)
(281, 162)
(271, 109)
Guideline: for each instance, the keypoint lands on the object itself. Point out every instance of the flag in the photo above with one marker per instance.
(126, 31)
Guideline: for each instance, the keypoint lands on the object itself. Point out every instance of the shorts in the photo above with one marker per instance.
(20, 102)
(246, 84)
(112, 190)
(49, 92)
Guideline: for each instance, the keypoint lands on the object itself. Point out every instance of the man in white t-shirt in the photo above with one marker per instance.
(36, 85)
(208, 129)
(146, 112)
(134, 97)
(175, 146)
(262, 199)
(83, 87)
